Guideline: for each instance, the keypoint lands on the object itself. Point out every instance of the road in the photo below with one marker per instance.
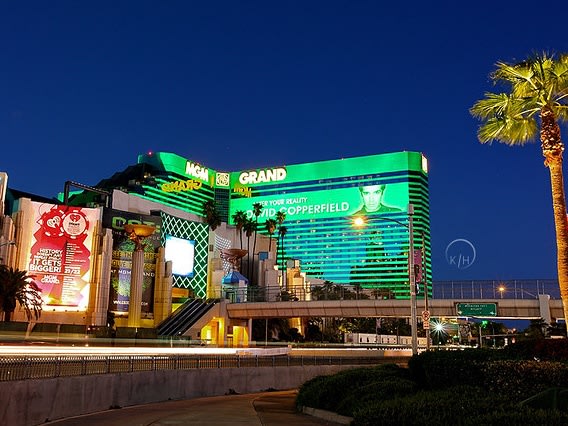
(259, 409)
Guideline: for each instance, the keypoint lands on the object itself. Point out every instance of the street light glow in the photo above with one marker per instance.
(359, 221)
(439, 327)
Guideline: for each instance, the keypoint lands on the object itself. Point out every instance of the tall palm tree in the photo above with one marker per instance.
(17, 287)
(239, 219)
(280, 217)
(282, 231)
(534, 104)
(270, 226)
(249, 227)
(212, 216)
(256, 210)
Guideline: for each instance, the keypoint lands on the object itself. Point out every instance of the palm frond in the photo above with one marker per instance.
(508, 130)
(514, 74)
(493, 104)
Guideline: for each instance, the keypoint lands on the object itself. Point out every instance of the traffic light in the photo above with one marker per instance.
(484, 323)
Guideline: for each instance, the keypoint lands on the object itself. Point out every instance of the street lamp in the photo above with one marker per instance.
(501, 289)
(359, 221)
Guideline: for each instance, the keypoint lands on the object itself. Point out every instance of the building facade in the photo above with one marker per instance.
(346, 220)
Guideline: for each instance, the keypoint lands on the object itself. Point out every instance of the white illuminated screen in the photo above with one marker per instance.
(181, 252)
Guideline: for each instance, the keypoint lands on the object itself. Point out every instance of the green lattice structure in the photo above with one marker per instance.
(189, 230)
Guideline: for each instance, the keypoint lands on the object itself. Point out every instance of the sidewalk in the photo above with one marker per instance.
(259, 409)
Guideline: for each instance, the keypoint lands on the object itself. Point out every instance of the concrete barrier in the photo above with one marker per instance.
(34, 402)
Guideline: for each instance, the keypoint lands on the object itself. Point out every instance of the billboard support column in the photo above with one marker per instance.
(99, 297)
(136, 278)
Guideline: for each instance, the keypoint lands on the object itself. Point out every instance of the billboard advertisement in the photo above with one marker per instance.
(324, 203)
(121, 265)
(60, 256)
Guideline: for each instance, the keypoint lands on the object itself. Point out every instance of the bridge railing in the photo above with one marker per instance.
(495, 289)
(46, 367)
(465, 289)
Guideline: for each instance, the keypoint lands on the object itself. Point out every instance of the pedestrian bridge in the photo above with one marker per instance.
(542, 307)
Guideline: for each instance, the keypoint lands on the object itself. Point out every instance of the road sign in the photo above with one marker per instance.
(477, 309)
(426, 320)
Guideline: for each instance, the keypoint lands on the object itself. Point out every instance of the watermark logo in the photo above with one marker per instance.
(460, 253)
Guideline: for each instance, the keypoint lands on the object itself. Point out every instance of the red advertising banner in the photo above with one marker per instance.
(60, 256)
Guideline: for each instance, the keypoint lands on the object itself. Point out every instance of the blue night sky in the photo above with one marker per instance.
(87, 86)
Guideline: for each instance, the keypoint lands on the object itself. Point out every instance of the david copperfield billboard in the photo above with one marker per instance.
(60, 256)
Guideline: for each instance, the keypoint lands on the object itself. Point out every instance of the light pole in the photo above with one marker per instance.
(411, 276)
(411, 279)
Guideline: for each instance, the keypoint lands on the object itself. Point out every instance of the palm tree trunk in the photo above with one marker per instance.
(253, 251)
(552, 148)
(561, 227)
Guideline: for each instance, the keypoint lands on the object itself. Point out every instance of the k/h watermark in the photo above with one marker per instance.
(460, 253)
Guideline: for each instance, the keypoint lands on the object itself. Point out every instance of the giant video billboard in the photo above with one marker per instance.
(326, 189)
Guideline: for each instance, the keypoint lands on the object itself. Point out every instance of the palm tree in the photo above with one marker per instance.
(270, 226)
(212, 216)
(535, 104)
(249, 228)
(280, 217)
(239, 219)
(17, 287)
(256, 210)
(282, 230)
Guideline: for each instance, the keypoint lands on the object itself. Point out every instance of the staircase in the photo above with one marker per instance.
(184, 317)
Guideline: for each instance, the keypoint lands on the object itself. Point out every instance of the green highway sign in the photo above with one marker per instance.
(477, 309)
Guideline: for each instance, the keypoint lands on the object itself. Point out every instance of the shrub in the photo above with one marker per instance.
(327, 392)
(439, 369)
(543, 349)
(522, 379)
(523, 416)
(386, 388)
(437, 407)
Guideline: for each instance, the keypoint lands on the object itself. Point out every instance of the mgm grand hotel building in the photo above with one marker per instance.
(347, 223)
(346, 220)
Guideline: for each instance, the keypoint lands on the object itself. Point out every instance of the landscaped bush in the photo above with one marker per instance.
(472, 387)
(522, 379)
(327, 392)
(440, 369)
(435, 407)
(385, 388)
(522, 416)
(542, 349)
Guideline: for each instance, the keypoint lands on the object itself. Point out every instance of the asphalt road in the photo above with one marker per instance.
(259, 409)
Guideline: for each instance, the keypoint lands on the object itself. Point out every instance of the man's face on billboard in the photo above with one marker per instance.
(372, 196)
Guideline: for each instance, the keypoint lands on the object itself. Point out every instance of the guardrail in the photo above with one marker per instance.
(48, 367)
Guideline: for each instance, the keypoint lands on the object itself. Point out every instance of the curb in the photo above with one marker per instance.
(327, 415)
